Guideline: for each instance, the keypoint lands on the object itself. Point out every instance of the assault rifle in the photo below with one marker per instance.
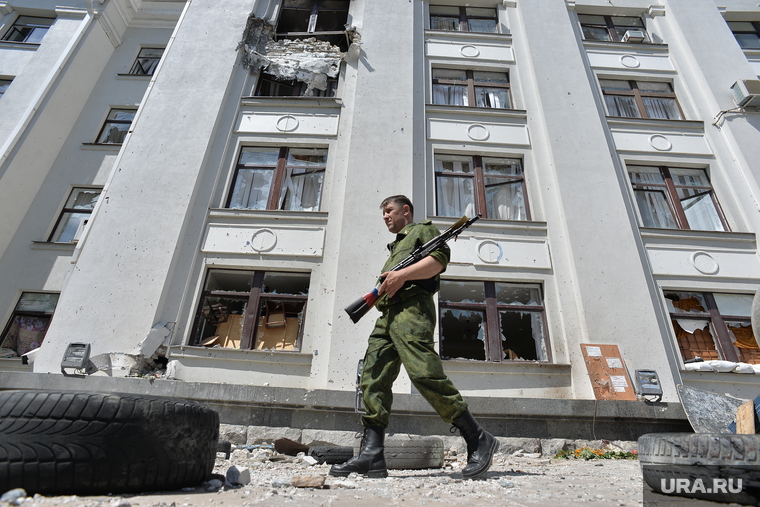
(361, 306)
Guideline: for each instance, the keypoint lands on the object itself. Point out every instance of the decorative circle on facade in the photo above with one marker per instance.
(704, 263)
(660, 142)
(287, 123)
(263, 240)
(478, 132)
(630, 61)
(490, 251)
(469, 51)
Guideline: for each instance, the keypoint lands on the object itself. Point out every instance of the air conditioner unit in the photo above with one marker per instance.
(634, 36)
(747, 92)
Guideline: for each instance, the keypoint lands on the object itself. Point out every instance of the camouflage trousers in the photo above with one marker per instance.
(404, 335)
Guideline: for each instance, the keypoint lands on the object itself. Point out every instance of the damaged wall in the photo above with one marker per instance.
(309, 61)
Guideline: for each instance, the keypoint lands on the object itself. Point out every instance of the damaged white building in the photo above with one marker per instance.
(193, 187)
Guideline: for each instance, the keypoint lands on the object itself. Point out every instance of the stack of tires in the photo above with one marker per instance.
(61, 443)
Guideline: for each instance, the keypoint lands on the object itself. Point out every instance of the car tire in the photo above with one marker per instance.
(61, 443)
(332, 455)
(419, 453)
(667, 457)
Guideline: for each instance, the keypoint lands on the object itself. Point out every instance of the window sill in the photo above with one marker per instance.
(493, 225)
(482, 111)
(102, 146)
(278, 215)
(453, 366)
(680, 236)
(619, 121)
(504, 38)
(314, 102)
(51, 245)
(29, 46)
(138, 77)
(752, 54)
(281, 358)
(14, 364)
(630, 47)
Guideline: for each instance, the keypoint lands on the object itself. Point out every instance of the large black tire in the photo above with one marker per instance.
(667, 457)
(419, 453)
(332, 455)
(57, 443)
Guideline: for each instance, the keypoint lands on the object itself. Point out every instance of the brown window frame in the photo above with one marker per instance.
(490, 309)
(254, 299)
(479, 185)
(611, 27)
(278, 177)
(724, 345)
(471, 85)
(755, 31)
(639, 96)
(669, 188)
(138, 69)
(298, 87)
(26, 313)
(464, 19)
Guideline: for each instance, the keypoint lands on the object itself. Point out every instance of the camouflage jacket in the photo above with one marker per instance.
(407, 239)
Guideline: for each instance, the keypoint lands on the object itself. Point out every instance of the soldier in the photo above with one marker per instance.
(404, 335)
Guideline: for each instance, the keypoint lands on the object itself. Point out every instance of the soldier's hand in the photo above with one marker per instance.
(394, 280)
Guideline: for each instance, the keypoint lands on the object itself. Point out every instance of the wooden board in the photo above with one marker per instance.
(609, 377)
(745, 418)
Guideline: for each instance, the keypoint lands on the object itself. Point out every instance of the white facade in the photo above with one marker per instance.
(134, 281)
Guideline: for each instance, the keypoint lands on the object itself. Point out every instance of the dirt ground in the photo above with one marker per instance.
(513, 481)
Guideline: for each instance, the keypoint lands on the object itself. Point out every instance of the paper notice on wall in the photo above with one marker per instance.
(614, 362)
(619, 383)
(594, 351)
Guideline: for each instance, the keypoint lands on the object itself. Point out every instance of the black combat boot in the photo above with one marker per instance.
(481, 445)
(370, 461)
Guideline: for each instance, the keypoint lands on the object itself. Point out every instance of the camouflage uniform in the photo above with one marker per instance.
(404, 334)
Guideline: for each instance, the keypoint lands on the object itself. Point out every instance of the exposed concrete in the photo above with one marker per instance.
(312, 410)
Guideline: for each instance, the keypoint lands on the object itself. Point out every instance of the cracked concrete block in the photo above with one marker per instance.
(456, 443)
(314, 438)
(551, 446)
(154, 339)
(591, 444)
(510, 445)
(268, 434)
(233, 433)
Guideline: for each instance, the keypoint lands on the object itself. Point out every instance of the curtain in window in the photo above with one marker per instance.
(301, 190)
(482, 25)
(496, 98)
(441, 23)
(661, 108)
(450, 95)
(504, 200)
(621, 106)
(456, 197)
(700, 212)
(251, 189)
(654, 209)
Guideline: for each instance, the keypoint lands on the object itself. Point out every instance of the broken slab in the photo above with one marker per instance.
(305, 481)
(323, 438)
(266, 434)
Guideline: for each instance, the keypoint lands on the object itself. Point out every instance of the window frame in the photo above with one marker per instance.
(464, 19)
(4, 84)
(299, 87)
(81, 211)
(16, 28)
(611, 27)
(138, 65)
(277, 179)
(672, 198)
(337, 37)
(21, 313)
(108, 122)
(724, 345)
(253, 301)
(490, 309)
(471, 86)
(755, 31)
(639, 96)
(479, 186)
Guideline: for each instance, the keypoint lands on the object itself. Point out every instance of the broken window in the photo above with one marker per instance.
(713, 326)
(278, 179)
(116, 126)
(640, 99)
(322, 19)
(28, 324)
(75, 215)
(747, 33)
(675, 198)
(252, 310)
(463, 19)
(492, 321)
(493, 187)
(147, 61)
(272, 86)
(454, 87)
(28, 29)
(610, 28)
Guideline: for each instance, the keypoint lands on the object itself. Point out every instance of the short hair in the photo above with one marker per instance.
(400, 200)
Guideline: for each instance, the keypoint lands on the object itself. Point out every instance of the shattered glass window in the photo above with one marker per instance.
(610, 28)
(491, 321)
(75, 214)
(322, 19)
(457, 87)
(116, 126)
(463, 19)
(252, 310)
(640, 99)
(147, 61)
(25, 330)
(28, 29)
(272, 86)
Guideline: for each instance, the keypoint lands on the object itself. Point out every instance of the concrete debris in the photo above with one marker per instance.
(506, 484)
(120, 502)
(309, 460)
(213, 485)
(281, 483)
(309, 61)
(157, 336)
(237, 475)
(344, 484)
(305, 481)
(14, 496)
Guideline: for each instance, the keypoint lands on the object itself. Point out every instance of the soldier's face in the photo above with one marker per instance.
(396, 217)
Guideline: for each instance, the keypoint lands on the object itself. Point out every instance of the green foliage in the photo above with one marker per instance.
(587, 453)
